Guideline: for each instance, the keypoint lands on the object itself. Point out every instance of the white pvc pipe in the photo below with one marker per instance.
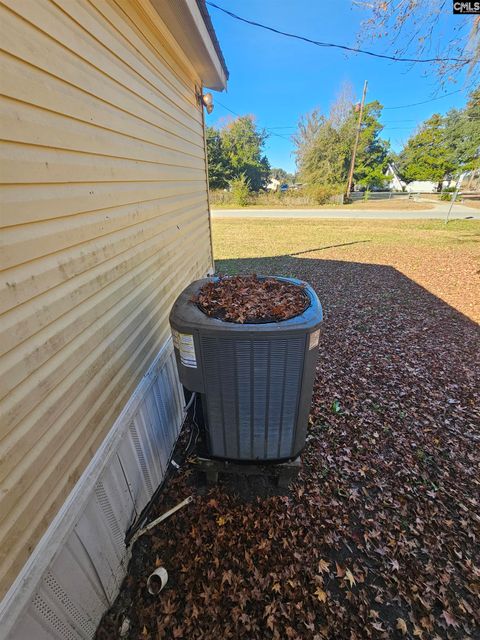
(164, 516)
(157, 580)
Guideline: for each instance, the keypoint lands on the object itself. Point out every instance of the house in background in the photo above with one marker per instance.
(430, 186)
(105, 220)
(422, 186)
(416, 186)
(273, 184)
(395, 183)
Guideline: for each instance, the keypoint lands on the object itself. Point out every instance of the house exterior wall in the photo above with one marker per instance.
(395, 183)
(422, 186)
(105, 220)
(76, 570)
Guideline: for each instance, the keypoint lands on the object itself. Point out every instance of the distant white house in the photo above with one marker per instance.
(422, 186)
(430, 186)
(274, 184)
(395, 183)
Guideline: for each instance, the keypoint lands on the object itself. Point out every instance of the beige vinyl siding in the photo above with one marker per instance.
(104, 220)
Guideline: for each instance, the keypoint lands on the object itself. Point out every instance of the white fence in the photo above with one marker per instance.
(355, 196)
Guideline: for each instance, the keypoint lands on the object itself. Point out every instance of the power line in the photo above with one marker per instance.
(400, 106)
(415, 104)
(279, 135)
(318, 43)
(385, 123)
(288, 137)
(226, 108)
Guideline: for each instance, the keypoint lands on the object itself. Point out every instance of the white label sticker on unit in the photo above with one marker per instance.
(175, 336)
(314, 339)
(186, 347)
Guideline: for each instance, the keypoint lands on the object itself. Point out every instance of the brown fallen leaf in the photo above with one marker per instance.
(465, 606)
(395, 564)
(426, 623)
(401, 625)
(449, 619)
(323, 566)
(321, 594)
(349, 576)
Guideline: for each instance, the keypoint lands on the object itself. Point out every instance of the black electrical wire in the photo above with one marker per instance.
(279, 135)
(318, 43)
(192, 441)
(404, 106)
(415, 104)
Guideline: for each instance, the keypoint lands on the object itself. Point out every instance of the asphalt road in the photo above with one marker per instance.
(439, 211)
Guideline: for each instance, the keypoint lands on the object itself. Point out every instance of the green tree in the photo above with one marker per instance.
(324, 146)
(444, 146)
(322, 158)
(219, 169)
(373, 152)
(282, 175)
(308, 128)
(242, 144)
(427, 155)
(462, 134)
(240, 190)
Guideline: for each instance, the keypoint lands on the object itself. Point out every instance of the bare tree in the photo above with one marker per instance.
(417, 26)
(341, 108)
(473, 45)
(309, 126)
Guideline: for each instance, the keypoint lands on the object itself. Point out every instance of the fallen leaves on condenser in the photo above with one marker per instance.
(249, 299)
(379, 535)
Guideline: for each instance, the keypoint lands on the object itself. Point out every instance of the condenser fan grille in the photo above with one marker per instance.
(252, 390)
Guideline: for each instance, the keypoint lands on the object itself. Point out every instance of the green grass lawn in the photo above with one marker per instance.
(442, 258)
(242, 238)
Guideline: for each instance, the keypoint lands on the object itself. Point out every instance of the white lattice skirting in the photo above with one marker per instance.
(75, 571)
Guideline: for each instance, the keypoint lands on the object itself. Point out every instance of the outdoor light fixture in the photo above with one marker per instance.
(204, 99)
(207, 100)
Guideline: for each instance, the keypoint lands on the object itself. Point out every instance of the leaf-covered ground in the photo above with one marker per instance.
(379, 536)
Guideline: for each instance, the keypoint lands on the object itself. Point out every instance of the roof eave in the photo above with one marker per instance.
(191, 26)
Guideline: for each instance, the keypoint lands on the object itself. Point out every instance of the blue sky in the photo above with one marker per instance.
(278, 79)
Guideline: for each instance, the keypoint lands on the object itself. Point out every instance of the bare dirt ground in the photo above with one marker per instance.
(390, 205)
(472, 204)
(379, 535)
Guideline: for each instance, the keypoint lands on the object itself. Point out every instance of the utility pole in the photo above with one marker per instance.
(454, 197)
(357, 136)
